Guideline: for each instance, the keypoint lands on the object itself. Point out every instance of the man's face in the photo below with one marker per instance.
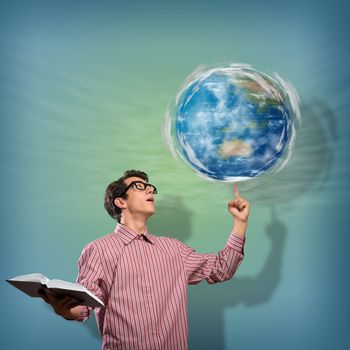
(139, 201)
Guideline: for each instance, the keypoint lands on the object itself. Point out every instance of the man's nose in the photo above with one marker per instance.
(149, 189)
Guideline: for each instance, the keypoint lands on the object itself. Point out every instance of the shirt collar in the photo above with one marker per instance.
(127, 234)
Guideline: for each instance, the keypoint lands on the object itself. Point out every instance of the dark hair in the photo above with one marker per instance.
(117, 187)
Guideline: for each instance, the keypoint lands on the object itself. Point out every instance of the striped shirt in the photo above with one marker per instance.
(142, 280)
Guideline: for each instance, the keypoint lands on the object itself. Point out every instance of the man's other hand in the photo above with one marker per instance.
(64, 306)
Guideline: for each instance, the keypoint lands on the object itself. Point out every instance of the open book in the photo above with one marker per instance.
(33, 283)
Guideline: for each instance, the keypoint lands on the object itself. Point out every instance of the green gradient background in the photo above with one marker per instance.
(84, 88)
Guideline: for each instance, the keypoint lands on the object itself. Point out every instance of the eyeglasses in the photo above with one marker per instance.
(139, 185)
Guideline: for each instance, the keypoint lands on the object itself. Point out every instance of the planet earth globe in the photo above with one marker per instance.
(233, 123)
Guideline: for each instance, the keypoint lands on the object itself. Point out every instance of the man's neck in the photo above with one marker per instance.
(138, 225)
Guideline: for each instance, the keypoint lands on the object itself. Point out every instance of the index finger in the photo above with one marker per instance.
(235, 190)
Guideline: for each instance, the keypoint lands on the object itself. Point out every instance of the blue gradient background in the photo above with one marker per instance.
(83, 90)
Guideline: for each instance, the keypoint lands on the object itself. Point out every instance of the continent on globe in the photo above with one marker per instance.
(233, 123)
(231, 148)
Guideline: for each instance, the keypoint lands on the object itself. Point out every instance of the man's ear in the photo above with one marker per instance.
(120, 203)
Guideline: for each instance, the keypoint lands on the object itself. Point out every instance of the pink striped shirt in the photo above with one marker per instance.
(142, 280)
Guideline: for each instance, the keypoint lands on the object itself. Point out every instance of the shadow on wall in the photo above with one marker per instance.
(207, 303)
(173, 219)
(308, 169)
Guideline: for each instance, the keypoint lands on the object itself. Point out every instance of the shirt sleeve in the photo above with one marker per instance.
(91, 276)
(213, 268)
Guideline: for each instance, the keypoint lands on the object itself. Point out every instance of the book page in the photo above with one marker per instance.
(32, 277)
(55, 283)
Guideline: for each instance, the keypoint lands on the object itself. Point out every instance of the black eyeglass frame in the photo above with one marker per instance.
(145, 184)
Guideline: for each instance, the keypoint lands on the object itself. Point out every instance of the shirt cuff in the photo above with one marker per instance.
(84, 313)
(236, 242)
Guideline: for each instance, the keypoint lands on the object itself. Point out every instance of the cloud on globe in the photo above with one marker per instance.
(233, 123)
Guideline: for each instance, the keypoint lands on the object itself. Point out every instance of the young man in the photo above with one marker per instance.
(142, 278)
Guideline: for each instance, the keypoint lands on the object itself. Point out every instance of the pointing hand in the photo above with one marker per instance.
(238, 207)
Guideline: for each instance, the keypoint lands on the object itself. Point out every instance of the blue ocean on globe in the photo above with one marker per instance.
(233, 123)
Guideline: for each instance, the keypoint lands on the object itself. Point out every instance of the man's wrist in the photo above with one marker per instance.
(240, 228)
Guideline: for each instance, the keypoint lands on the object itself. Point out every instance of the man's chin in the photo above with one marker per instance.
(151, 212)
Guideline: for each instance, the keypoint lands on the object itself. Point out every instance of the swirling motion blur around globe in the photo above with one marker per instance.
(233, 123)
